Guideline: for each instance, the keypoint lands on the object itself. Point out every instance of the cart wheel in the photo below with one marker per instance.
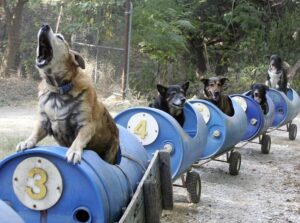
(193, 186)
(234, 163)
(292, 131)
(265, 144)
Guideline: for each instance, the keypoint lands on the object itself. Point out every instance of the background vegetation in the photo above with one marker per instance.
(172, 40)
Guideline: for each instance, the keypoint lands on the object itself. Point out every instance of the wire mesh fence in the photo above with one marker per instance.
(97, 33)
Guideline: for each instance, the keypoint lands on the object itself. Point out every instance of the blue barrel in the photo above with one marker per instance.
(42, 187)
(257, 121)
(286, 106)
(7, 214)
(223, 131)
(158, 130)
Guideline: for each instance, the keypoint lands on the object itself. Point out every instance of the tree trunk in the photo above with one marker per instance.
(197, 49)
(293, 70)
(13, 18)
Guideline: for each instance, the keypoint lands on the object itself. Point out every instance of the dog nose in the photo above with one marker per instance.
(45, 27)
(217, 93)
(183, 100)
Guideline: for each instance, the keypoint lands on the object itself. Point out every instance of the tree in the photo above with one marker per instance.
(158, 32)
(13, 18)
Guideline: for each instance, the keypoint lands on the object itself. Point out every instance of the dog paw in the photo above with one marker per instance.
(25, 145)
(73, 156)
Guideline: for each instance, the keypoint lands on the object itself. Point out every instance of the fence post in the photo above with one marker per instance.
(125, 74)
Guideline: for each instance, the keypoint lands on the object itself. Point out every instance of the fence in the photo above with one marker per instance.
(99, 35)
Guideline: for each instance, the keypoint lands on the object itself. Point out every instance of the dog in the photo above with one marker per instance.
(171, 99)
(277, 74)
(258, 93)
(68, 106)
(213, 92)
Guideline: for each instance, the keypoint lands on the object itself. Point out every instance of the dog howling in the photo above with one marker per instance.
(68, 106)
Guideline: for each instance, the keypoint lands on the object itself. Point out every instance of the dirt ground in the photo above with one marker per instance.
(267, 188)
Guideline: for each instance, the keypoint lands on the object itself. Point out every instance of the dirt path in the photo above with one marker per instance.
(16, 120)
(266, 190)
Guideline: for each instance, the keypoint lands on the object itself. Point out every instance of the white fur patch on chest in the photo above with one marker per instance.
(274, 78)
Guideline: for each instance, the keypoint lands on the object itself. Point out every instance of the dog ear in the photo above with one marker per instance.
(77, 59)
(223, 80)
(253, 86)
(185, 86)
(204, 81)
(162, 89)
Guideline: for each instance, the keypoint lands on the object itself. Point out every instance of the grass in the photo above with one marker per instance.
(9, 143)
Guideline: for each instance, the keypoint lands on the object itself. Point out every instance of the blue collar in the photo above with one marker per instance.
(64, 89)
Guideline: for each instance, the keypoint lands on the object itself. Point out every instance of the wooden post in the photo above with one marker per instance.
(59, 18)
(166, 180)
(128, 11)
(152, 202)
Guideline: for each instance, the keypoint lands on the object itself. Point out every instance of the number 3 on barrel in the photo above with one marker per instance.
(39, 183)
(144, 126)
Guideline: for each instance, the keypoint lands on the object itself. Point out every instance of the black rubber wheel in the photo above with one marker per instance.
(292, 132)
(193, 186)
(265, 144)
(235, 160)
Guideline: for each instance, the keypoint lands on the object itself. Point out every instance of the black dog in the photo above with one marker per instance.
(258, 93)
(277, 74)
(171, 99)
(213, 92)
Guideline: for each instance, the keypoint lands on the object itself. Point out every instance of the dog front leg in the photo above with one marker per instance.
(84, 135)
(37, 135)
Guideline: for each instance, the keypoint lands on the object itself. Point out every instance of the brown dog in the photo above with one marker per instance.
(213, 92)
(68, 106)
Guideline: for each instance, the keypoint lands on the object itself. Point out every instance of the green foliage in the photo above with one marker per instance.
(237, 34)
(170, 38)
(158, 29)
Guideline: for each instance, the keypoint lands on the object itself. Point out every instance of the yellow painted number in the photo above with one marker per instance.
(40, 183)
(141, 129)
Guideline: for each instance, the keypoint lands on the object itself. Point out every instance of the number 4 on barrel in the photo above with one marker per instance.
(144, 126)
(141, 129)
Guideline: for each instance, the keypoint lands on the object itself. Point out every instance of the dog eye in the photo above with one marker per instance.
(60, 37)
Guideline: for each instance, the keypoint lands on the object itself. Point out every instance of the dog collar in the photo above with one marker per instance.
(64, 89)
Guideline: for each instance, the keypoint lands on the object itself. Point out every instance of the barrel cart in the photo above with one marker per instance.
(157, 130)
(258, 123)
(224, 132)
(287, 108)
(40, 186)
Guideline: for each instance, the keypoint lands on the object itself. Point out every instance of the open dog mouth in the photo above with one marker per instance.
(176, 106)
(45, 51)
